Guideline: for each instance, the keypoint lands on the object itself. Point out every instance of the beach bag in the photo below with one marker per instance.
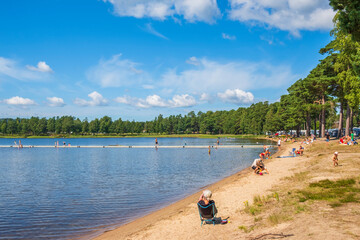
(218, 220)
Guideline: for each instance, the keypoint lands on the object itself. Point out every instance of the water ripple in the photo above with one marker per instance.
(68, 193)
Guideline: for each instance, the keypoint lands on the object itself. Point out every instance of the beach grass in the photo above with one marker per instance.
(246, 229)
(336, 193)
(297, 196)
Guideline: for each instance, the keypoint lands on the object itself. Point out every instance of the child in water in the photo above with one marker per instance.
(335, 159)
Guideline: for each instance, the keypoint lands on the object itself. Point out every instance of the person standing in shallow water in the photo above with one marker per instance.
(156, 143)
(209, 150)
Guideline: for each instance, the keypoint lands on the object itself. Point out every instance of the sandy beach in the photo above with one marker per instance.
(181, 219)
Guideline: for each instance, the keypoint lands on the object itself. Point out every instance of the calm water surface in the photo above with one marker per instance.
(49, 193)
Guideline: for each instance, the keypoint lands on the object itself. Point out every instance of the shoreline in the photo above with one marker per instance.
(141, 136)
(124, 231)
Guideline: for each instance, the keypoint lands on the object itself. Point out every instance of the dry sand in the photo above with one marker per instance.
(181, 219)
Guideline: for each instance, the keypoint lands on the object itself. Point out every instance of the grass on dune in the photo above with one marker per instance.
(282, 206)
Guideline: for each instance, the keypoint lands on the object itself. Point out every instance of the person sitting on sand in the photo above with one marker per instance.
(262, 156)
(255, 163)
(301, 150)
(335, 159)
(205, 199)
(259, 166)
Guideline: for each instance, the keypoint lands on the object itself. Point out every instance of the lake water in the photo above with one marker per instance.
(62, 193)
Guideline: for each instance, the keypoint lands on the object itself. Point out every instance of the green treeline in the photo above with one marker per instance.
(251, 120)
(329, 97)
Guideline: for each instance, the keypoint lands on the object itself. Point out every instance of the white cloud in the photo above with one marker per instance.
(55, 102)
(236, 96)
(11, 69)
(148, 86)
(96, 100)
(155, 101)
(205, 97)
(193, 61)
(227, 36)
(184, 100)
(288, 15)
(211, 76)
(149, 28)
(116, 72)
(41, 67)
(19, 101)
(191, 10)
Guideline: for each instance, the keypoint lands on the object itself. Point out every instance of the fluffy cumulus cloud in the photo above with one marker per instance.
(19, 101)
(11, 69)
(207, 76)
(236, 96)
(55, 102)
(116, 72)
(41, 67)
(96, 100)
(288, 15)
(184, 100)
(190, 10)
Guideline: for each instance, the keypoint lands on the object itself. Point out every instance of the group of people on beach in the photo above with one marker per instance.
(258, 165)
(348, 140)
(259, 168)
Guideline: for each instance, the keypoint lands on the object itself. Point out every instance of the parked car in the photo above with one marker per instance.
(356, 132)
(334, 133)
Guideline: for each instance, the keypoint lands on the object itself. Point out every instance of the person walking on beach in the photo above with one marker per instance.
(335, 159)
(327, 137)
(279, 143)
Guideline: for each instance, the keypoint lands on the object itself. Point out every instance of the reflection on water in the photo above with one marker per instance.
(67, 192)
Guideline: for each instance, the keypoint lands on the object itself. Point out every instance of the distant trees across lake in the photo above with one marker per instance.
(259, 118)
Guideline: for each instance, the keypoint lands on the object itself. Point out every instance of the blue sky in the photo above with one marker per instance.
(135, 59)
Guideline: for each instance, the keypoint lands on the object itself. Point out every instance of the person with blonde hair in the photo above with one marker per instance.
(335, 159)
